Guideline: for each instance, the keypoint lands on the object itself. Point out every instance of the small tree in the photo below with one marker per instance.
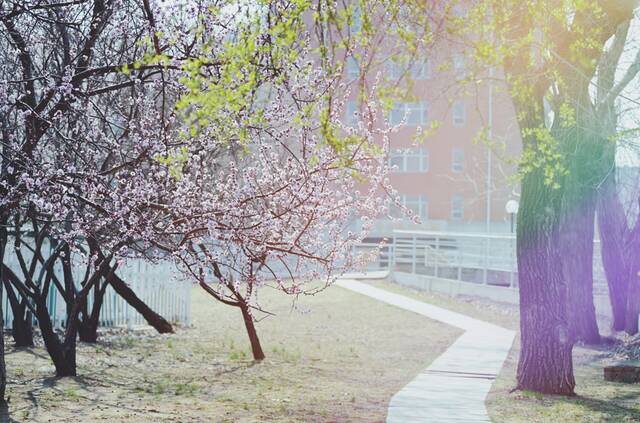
(69, 149)
(266, 180)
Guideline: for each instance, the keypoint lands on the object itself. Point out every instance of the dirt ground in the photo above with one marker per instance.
(338, 357)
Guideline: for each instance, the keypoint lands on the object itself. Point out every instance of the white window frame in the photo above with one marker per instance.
(352, 68)
(400, 110)
(459, 113)
(457, 207)
(351, 108)
(421, 70)
(422, 204)
(404, 155)
(409, 201)
(418, 70)
(457, 160)
(356, 24)
(459, 66)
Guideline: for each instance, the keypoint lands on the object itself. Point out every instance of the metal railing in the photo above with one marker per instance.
(479, 258)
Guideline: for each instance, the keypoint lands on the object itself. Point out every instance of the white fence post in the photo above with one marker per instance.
(413, 254)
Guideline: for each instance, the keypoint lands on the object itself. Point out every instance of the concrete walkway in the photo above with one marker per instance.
(454, 387)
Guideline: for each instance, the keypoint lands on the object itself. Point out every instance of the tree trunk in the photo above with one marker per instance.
(256, 348)
(583, 153)
(613, 229)
(21, 327)
(3, 369)
(88, 325)
(545, 363)
(576, 245)
(158, 322)
(88, 331)
(62, 354)
(633, 305)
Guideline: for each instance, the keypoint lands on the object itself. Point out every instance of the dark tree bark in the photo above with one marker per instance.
(63, 350)
(3, 369)
(158, 322)
(256, 348)
(545, 363)
(62, 353)
(22, 327)
(88, 324)
(237, 300)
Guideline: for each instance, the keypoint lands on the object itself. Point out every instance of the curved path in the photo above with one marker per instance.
(454, 387)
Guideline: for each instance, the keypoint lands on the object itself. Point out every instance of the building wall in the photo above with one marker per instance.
(443, 186)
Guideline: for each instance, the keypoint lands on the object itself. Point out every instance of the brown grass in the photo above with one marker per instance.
(596, 400)
(341, 361)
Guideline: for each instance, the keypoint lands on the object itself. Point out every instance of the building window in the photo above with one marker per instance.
(409, 160)
(457, 207)
(459, 114)
(356, 20)
(352, 113)
(416, 113)
(396, 70)
(353, 68)
(418, 204)
(457, 160)
(421, 70)
(417, 70)
(459, 67)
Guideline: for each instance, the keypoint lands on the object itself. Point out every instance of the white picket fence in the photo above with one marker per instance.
(158, 285)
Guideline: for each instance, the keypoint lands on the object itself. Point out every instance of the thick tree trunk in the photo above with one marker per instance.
(88, 325)
(158, 322)
(545, 363)
(613, 229)
(21, 327)
(583, 152)
(88, 331)
(576, 246)
(63, 354)
(633, 306)
(256, 348)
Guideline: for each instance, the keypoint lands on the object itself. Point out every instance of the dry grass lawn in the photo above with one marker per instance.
(339, 362)
(596, 400)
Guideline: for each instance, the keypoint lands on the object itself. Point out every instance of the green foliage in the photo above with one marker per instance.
(548, 50)
(542, 151)
(175, 162)
(228, 83)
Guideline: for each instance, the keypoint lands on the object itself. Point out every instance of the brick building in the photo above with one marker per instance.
(451, 180)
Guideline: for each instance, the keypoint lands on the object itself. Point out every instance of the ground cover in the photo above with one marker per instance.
(337, 357)
(596, 401)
